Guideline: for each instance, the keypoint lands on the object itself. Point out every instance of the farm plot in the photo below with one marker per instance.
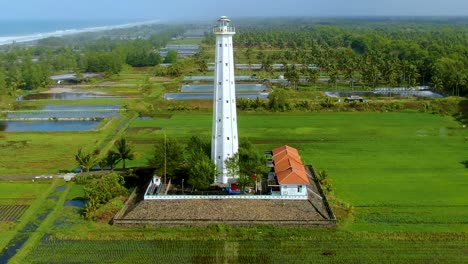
(11, 213)
(344, 250)
(400, 171)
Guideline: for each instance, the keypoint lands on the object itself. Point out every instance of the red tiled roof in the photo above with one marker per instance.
(288, 166)
(288, 163)
(283, 148)
(286, 155)
(292, 176)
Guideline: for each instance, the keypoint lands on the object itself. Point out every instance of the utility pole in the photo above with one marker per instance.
(165, 158)
(183, 186)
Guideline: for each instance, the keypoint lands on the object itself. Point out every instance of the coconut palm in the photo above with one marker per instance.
(85, 160)
(123, 150)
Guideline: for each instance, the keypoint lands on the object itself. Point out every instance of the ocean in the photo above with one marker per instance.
(28, 30)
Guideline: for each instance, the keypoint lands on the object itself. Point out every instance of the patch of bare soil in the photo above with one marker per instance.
(59, 89)
(230, 210)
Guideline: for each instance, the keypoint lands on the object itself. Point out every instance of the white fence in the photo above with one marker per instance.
(225, 197)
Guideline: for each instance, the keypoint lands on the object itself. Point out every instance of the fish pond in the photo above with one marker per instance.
(48, 126)
(204, 88)
(207, 96)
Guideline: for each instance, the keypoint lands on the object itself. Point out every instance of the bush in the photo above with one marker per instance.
(83, 179)
(465, 162)
(101, 190)
(106, 212)
(328, 102)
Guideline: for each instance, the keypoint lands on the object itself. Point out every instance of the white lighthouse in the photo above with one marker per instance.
(225, 142)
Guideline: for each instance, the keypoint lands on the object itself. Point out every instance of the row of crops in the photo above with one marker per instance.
(11, 213)
(320, 251)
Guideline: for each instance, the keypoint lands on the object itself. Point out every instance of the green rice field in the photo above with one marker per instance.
(401, 172)
(317, 251)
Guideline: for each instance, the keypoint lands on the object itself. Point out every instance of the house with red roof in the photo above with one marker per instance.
(289, 176)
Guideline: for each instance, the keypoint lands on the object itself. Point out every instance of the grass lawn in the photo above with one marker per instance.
(21, 189)
(42, 152)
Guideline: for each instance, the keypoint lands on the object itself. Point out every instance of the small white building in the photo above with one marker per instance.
(293, 182)
(289, 172)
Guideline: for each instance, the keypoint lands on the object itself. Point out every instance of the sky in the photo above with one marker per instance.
(170, 10)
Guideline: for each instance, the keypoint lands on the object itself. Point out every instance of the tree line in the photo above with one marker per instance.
(387, 52)
(29, 68)
(190, 161)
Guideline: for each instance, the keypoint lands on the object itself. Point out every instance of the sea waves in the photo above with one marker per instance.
(61, 33)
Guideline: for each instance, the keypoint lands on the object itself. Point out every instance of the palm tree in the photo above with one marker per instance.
(124, 150)
(457, 82)
(111, 159)
(437, 83)
(85, 160)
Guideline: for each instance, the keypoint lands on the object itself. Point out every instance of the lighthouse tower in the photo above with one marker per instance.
(224, 142)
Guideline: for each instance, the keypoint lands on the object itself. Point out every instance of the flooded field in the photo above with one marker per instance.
(66, 96)
(208, 96)
(386, 92)
(205, 88)
(43, 126)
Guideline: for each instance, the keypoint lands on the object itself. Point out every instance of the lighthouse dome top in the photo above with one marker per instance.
(224, 18)
(224, 26)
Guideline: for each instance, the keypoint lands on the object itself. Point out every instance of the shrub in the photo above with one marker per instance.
(101, 190)
(465, 162)
(106, 212)
(328, 102)
(83, 179)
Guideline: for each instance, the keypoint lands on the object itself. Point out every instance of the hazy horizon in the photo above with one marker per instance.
(140, 10)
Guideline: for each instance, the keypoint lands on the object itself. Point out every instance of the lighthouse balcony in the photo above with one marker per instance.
(224, 30)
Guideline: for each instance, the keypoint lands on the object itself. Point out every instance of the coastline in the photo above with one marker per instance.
(6, 40)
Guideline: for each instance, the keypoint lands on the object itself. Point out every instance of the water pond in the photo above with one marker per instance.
(67, 111)
(204, 88)
(75, 203)
(386, 92)
(65, 96)
(211, 78)
(207, 96)
(43, 126)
